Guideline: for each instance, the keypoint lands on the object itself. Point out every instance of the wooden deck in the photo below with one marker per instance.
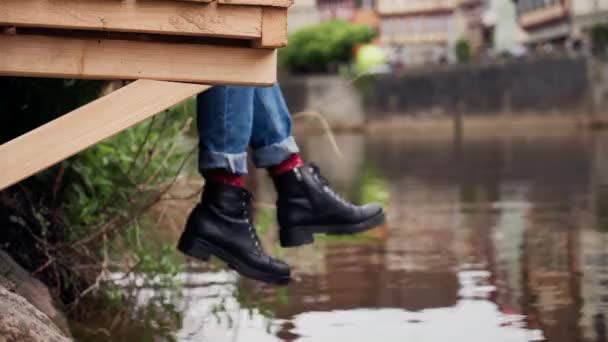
(188, 41)
(158, 43)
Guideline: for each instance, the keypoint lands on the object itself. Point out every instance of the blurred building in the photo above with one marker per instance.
(310, 12)
(560, 23)
(303, 13)
(336, 9)
(587, 13)
(355, 11)
(423, 31)
(366, 14)
(504, 34)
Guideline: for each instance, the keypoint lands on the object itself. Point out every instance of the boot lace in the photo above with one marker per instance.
(327, 186)
(248, 216)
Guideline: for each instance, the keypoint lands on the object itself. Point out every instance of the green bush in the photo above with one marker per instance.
(61, 222)
(315, 48)
(463, 51)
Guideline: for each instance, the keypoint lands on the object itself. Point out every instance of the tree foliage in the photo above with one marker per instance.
(463, 51)
(315, 48)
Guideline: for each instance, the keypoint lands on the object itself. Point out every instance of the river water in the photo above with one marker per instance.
(501, 239)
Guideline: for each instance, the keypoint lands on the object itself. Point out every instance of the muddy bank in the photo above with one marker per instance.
(28, 312)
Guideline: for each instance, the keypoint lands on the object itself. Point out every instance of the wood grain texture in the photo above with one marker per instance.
(272, 3)
(88, 125)
(274, 28)
(41, 56)
(197, 0)
(158, 16)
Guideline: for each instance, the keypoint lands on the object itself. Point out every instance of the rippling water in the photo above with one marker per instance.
(488, 239)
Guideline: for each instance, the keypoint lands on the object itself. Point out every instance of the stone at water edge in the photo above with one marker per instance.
(22, 322)
(28, 313)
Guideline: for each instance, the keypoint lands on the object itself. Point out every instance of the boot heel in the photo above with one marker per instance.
(194, 248)
(295, 237)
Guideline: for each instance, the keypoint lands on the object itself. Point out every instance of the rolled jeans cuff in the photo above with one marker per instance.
(233, 162)
(275, 154)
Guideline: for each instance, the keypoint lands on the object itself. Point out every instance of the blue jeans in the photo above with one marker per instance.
(233, 118)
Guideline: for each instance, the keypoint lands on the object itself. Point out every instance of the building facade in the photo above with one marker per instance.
(426, 31)
(585, 14)
(303, 13)
(545, 21)
(560, 23)
(336, 9)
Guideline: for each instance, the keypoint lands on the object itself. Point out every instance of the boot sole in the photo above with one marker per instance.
(203, 250)
(304, 235)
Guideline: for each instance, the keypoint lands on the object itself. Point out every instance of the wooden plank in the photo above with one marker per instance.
(274, 28)
(272, 3)
(42, 56)
(88, 125)
(159, 16)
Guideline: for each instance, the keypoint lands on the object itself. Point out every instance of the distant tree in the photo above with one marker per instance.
(315, 48)
(463, 51)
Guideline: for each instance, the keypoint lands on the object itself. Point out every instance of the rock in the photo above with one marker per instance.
(20, 321)
(27, 312)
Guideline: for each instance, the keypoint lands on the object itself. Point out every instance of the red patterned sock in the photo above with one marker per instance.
(224, 176)
(287, 165)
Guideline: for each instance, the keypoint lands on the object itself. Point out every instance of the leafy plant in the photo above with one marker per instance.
(314, 48)
(463, 51)
(61, 223)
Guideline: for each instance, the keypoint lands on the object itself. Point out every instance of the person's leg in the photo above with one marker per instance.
(225, 117)
(272, 141)
(306, 203)
(222, 223)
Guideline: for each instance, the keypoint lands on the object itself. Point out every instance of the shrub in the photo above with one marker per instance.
(463, 51)
(60, 223)
(315, 48)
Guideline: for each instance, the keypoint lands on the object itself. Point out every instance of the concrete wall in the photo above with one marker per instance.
(333, 96)
(550, 85)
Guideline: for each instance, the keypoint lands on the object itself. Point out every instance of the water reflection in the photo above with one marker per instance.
(491, 239)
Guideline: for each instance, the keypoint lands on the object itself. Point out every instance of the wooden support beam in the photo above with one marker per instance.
(274, 28)
(160, 16)
(88, 125)
(42, 56)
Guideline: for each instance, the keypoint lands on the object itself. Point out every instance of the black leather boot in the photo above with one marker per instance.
(307, 205)
(222, 225)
